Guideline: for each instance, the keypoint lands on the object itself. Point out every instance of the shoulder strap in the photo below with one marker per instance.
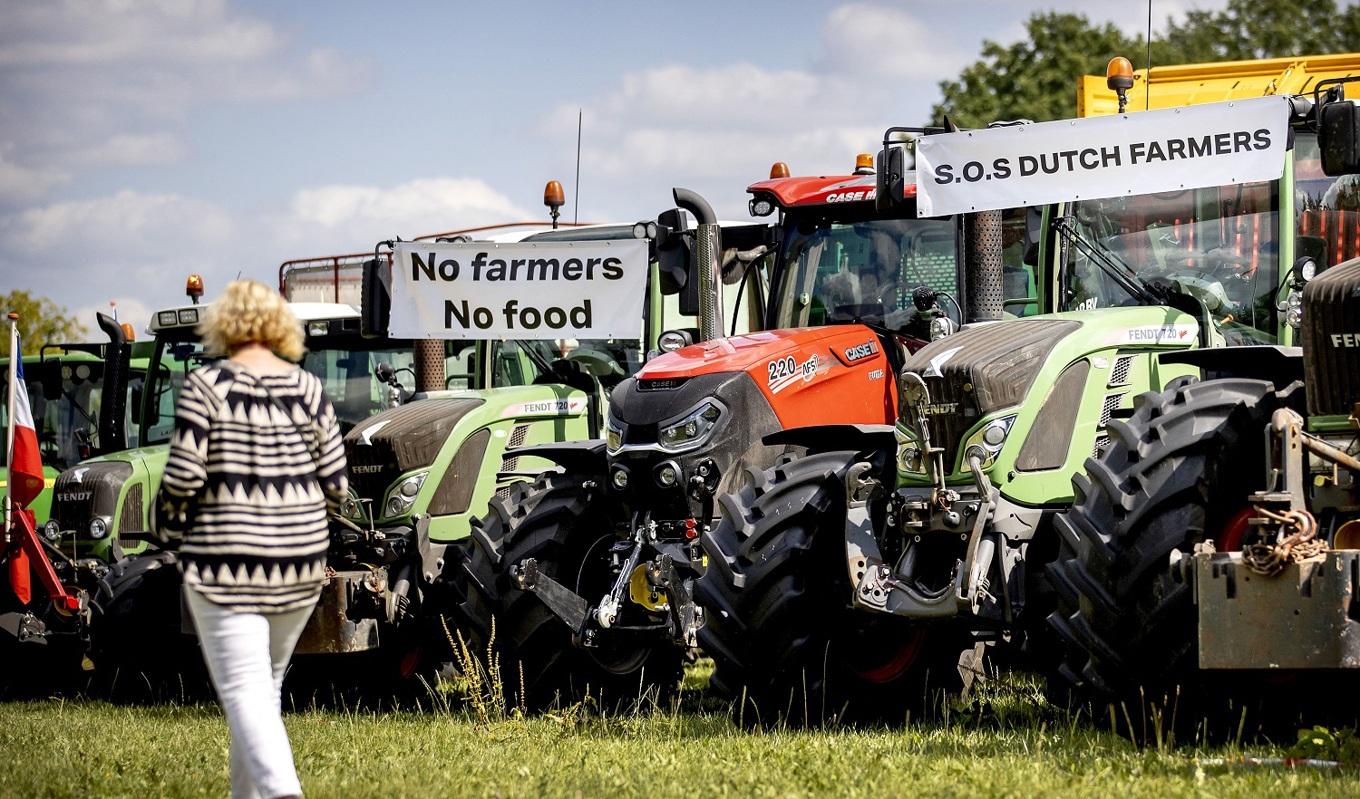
(313, 442)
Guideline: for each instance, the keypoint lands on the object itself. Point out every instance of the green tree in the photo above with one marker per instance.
(41, 321)
(1036, 77)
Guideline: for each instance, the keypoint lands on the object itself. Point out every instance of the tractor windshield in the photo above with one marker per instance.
(345, 364)
(1327, 209)
(853, 266)
(1220, 244)
(66, 423)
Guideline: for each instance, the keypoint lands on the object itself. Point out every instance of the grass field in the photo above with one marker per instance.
(1006, 745)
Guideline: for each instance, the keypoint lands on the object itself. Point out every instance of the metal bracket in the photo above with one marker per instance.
(562, 601)
(686, 616)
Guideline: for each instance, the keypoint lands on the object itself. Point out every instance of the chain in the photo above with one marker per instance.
(1300, 542)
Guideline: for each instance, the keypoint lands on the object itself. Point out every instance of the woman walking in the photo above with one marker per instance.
(255, 463)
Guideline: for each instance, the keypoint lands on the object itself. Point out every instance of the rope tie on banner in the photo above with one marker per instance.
(1298, 542)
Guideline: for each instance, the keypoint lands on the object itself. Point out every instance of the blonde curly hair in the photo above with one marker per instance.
(249, 312)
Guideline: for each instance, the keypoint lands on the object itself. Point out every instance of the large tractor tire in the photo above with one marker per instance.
(785, 642)
(561, 521)
(139, 648)
(1178, 472)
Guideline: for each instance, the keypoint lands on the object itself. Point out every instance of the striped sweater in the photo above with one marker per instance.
(248, 489)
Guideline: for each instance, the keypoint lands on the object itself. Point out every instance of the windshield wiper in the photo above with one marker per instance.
(1111, 264)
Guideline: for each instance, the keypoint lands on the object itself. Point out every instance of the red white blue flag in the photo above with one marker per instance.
(25, 478)
(25, 462)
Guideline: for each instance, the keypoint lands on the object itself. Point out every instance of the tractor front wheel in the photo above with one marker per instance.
(778, 623)
(561, 521)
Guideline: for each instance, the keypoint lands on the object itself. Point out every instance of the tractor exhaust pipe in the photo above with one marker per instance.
(429, 356)
(982, 266)
(113, 409)
(707, 262)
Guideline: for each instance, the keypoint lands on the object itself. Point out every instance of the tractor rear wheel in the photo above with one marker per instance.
(1177, 473)
(785, 642)
(561, 521)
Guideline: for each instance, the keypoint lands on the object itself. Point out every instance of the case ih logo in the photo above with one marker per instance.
(860, 352)
(1346, 339)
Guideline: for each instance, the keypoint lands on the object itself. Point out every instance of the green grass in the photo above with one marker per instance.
(1009, 745)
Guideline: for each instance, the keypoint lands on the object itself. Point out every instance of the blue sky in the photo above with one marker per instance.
(143, 139)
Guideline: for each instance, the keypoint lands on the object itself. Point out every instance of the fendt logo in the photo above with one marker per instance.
(74, 496)
(1346, 340)
(366, 468)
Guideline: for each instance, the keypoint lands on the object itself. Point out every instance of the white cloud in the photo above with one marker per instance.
(21, 184)
(409, 209)
(134, 148)
(866, 40)
(136, 248)
(86, 85)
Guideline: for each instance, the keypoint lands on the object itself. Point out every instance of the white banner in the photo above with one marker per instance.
(1110, 156)
(526, 290)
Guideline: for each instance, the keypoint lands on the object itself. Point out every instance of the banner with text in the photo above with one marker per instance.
(1110, 156)
(525, 290)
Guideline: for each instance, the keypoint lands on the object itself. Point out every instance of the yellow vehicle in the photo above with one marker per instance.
(1192, 84)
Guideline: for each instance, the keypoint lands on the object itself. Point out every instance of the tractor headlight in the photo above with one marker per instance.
(988, 440)
(1293, 309)
(99, 527)
(403, 494)
(910, 458)
(692, 430)
(351, 509)
(52, 530)
(613, 435)
(940, 327)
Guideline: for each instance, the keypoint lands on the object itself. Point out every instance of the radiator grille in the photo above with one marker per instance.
(1111, 405)
(1119, 375)
(132, 518)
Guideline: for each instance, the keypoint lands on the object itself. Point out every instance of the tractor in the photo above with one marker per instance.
(1211, 554)
(865, 579)
(76, 418)
(589, 571)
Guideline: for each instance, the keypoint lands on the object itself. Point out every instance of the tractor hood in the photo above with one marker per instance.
(740, 353)
(797, 372)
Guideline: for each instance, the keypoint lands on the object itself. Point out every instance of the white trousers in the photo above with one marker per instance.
(247, 654)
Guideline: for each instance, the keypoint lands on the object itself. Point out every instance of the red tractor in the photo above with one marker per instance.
(589, 570)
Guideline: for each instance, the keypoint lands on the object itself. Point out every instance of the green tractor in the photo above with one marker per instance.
(1210, 557)
(76, 415)
(65, 389)
(866, 577)
(97, 529)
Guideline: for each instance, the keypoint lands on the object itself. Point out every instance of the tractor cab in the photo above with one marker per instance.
(840, 260)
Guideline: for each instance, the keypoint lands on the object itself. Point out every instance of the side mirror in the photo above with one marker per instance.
(136, 399)
(673, 251)
(49, 373)
(375, 299)
(1339, 138)
(1314, 247)
(891, 178)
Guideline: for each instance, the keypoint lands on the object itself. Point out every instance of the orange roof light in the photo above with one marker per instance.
(1119, 74)
(553, 195)
(128, 332)
(193, 287)
(864, 164)
(779, 170)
